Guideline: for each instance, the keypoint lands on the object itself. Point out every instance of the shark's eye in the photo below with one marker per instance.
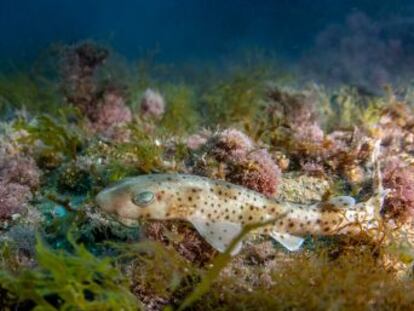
(142, 199)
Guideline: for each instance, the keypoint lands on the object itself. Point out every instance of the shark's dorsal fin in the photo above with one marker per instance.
(342, 201)
(289, 241)
(219, 233)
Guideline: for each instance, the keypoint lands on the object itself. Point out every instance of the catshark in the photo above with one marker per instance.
(219, 210)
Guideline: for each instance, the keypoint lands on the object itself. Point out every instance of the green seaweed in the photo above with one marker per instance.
(142, 152)
(235, 99)
(353, 108)
(57, 135)
(117, 170)
(77, 281)
(23, 90)
(180, 110)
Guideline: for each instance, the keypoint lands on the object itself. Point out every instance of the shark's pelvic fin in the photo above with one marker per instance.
(291, 242)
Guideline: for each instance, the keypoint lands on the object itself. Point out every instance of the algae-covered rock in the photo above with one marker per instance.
(303, 188)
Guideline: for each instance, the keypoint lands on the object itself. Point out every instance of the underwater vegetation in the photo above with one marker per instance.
(19, 178)
(99, 119)
(63, 281)
(231, 155)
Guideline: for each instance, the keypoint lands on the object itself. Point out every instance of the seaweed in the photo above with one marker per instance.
(352, 107)
(322, 280)
(116, 170)
(235, 99)
(23, 90)
(180, 110)
(74, 179)
(57, 135)
(77, 281)
(142, 152)
(157, 271)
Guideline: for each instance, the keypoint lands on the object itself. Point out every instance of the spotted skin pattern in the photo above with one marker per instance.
(219, 210)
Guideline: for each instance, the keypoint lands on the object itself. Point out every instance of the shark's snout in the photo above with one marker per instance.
(104, 201)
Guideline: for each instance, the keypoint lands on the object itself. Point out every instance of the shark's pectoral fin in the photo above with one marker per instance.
(219, 234)
(291, 242)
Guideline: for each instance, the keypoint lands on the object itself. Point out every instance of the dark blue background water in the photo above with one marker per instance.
(302, 31)
(181, 29)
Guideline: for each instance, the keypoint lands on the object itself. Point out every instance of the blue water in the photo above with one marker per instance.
(300, 32)
(181, 29)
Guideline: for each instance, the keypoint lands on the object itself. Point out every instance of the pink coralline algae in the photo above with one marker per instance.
(19, 169)
(399, 178)
(297, 112)
(395, 128)
(111, 112)
(195, 141)
(103, 105)
(257, 172)
(152, 105)
(13, 199)
(19, 176)
(240, 161)
(80, 63)
(309, 132)
(231, 145)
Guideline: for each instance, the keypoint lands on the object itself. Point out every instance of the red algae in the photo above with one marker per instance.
(111, 113)
(195, 141)
(241, 160)
(230, 144)
(152, 105)
(13, 199)
(258, 172)
(103, 104)
(79, 65)
(399, 178)
(19, 176)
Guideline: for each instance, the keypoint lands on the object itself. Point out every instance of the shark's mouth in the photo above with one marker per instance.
(127, 222)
